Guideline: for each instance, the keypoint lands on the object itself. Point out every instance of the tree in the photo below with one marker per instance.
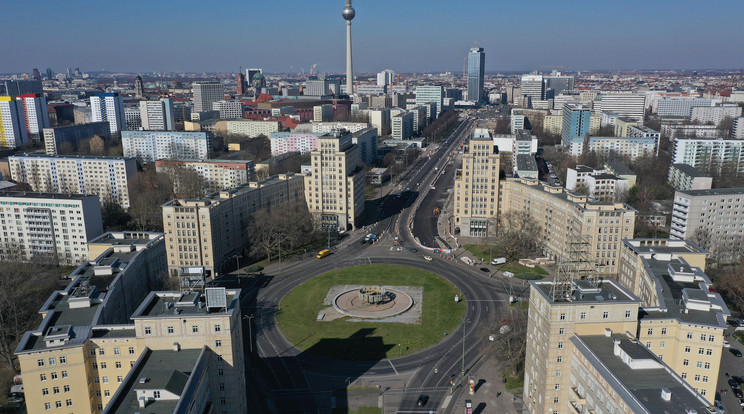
(114, 217)
(97, 146)
(509, 344)
(265, 234)
(148, 190)
(187, 183)
(517, 235)
(23, 289)
(730, 284)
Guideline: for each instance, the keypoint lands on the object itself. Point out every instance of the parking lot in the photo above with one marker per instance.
(733, 366)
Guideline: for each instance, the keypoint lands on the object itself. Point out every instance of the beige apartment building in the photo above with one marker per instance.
(551, 324)
(334, 190)
(106, 177)
(683, 322)
(568, 218)
(477, 187)
(218, 174)
(88, 351)
(214, 229)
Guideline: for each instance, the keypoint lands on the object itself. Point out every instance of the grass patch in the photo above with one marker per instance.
(739, 336)
(522, 272)
(513, 384)
(369, 341)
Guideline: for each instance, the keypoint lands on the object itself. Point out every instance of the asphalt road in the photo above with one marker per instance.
(282, 378)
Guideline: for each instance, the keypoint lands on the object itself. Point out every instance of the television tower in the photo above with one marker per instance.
(348, 13)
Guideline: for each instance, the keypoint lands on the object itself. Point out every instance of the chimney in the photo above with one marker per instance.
(666, 395)
(176, 346)
(616, 348)
(608, 332)
(141, 401)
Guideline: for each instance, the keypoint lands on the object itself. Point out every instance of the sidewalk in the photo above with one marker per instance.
(490, 395)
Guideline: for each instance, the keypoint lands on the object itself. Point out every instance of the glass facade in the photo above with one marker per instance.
(476, 70)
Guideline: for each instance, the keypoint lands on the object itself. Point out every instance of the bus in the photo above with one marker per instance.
(323, 253)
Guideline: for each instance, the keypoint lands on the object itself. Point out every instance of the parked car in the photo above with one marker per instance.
(422, 399)
(414, 250)
(736, 352)
(428, 258)
(732, 383)
(498, 260)
(726, 344)
(485, 269)
(738, 379)
(738, 393)
(733, 322)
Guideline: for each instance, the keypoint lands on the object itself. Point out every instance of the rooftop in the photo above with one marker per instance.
(84, 157)
(156, 370)
(55, 196)
(619, 168)
(690, 170)
(176, 304)
(713, 192)
(639, 386)
(583, 291)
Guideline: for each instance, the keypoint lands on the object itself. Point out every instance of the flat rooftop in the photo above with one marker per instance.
(640, 388)
(125, 238)
(165, 370)
(583, 291)
(177, 304)
(84, 157)
(713, 192)
(690, 170)
(55, 196)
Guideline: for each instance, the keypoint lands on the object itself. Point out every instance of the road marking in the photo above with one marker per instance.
(391, 364)
(446, 401)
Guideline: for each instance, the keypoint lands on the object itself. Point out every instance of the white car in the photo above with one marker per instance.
(726, 344)
(427, 258)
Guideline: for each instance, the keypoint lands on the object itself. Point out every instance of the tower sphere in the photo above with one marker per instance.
(348, 13)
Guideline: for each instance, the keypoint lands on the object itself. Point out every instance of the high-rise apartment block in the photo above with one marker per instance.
(323, 87)
(625, 104)
(366, 140)
(737, 131)
(106, 177)
(17, 87)
(13, 132)
(157, 115)
(386, 77)
(132, 118)
(619, 146)
(206, 93)
(679, 107)
(714, 216)
(302, 142)
(251, 128)
(477, 187)
(229, 109)
(687, 177)
(710, 153)
(402, 125)
(109, 107)
(566, 218)
(715, 114)
(575, 125)
(54, 138)
(50, 227)
(218, 174)
(334, 189)
(559, 83)
(323, 113)
(380, 119)
(150, 146)
(476, 74)
(35, 114)
(326, 127)
(431, 94)
(209, 231)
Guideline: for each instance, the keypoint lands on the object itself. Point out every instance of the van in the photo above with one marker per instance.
(323, 253)
(498, 260)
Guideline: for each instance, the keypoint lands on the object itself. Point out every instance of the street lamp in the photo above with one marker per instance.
(250, 331)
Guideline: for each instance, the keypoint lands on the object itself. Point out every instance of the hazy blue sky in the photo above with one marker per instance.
(404, 35)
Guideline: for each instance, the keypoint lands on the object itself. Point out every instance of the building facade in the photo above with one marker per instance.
(431, 94)
(13, 132)
(157, 115)
(150, 146)
(710, 153)
(50, 227)
(55, 137)
(35, 113)
(210, 231)
(402, 125)
(302, 142)
(109, 107)
(206, 93)
(625, 104)
(251, 128)
(229, 109)
(687, 177)
(218, 174)
(334, 190)
(575, 125)
(715, 114)
(477, 187)
(106, 177)
(476, 73)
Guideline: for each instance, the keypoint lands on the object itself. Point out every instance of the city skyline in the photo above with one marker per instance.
(517, 37)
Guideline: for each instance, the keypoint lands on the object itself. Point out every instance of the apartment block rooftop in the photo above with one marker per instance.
(690, 170)
(59, 156)
(217, 196)
(638, 377)
(582, 201)
(714, 192)
(584, 291)
(192, 303)
(35, 195)
(160, 382)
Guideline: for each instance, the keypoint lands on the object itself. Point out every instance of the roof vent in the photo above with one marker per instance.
(608, 332)
(666, 395)
(144, 380)
(176, 346)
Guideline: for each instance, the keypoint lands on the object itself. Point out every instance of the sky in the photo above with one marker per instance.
(404, 35)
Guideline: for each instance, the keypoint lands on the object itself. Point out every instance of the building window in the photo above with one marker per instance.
(58, 404)
(195, 329)
(605, 315)
(63, 359)
(118, 364)
(47, 406)
(103, 365)
(222, 386)
(52, 361)
(156, 394)
(105, 380)
(131, 350)
(223, 401)
(709, 352)
(147, 330)
(117, 351)
(218, 343)
(106, 393)
(45, 391)
(663, 331)
(54, 375)
(701, 351)
(66, 388)
(711, 338)
(557, 387)
(68, 403)
(707, 365)
(560, 345)
(170, 329)
(650, 331)
(697, 377)
(220, 372)
(217, 328)
(687, 350)
(685, 362)
(689, 335)
(42, 377)
(582, 315)
(700, 364)
(64, 374)
(40, 362)
(563, 316)
(101, 351)
(684, 375)
(662, 344)
(119, 379)
(555, 400)
(561, 331)
(559, 359)
(627, 314)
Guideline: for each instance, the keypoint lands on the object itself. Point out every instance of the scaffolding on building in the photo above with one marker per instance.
(576, 263)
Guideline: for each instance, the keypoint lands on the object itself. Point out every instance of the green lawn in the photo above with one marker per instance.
(368, 341)
(522, 272)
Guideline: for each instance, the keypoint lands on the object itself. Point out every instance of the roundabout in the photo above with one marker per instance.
(330, 315)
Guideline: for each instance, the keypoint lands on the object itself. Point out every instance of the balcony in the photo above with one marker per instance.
(575, 408)
(574, 393)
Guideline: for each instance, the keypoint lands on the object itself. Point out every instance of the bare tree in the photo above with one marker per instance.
(97, 146)
(148, 191)
(509, 342)
(518, 235)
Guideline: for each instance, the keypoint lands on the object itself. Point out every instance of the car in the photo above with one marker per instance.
(422, 399)
(414, 250)
(428, 258)
(736, 352)
(732, 383)
(738, 393)
(726, 344)
(485, 269)
(738, 379)
(733, 322)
